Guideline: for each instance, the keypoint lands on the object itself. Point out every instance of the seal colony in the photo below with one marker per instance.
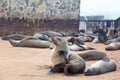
(62, 56)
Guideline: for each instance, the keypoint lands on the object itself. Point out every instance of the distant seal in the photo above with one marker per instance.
(59, 55)
(82, 30)
(75, 40)
(75, 47)
(102, 37)
(30, 43)
(14, 37)
(92, 55)
(112, 40)
(69, 33)
(112, 33)
(95, 40)
(41, 37)
(113, 46)
(76, 65)
(51, 33)
(85, 37)
(100, 67)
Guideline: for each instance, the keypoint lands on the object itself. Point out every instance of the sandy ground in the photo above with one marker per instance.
(17, 63)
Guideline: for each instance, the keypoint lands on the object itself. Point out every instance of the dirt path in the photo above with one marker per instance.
(17, 63)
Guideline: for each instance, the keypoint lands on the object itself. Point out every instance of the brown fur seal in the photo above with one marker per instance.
(92, 55)
(112, 40)
(75, 47)
(14, 37)
(102, 37)
(40, 36)
(35, 43)
(95, 40)
(100, 67)
(75, 40)
(51, 33)
(75, 65)
(85, 37)
(59, 55)
(113, 46)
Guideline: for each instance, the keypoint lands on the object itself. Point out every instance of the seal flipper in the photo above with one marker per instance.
(52, 71)
(57, 69)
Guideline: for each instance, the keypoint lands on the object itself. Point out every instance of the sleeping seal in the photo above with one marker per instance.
(75, 47)
(41, 37)
(75, 65)
(59, 55)
(92, 55)
(113, 46)
(76, 40)
(14, 37)
(112, 40)
(34, 43)
(100, 67)
(51, 33)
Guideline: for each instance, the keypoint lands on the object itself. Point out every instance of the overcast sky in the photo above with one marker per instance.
(109, 8)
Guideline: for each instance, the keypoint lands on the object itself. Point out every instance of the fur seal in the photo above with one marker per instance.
(75, 40)
(51, 33)
(75, 65)
(112, 33)
(34, 43)
(86, 37)
(92, 55)
(112, 40)
(102, 37)
(41, 37)
(59, 55)
(95, 40)
(75, 47)
(100, 67)
(82, 31)
(14, 37)
(113, 46)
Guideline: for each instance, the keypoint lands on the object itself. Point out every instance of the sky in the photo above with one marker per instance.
(109, 8)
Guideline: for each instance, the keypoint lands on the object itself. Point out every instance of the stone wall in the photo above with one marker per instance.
(36, 15)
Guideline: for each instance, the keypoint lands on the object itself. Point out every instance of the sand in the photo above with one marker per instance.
(20, 63)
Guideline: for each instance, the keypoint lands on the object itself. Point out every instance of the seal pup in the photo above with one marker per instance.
(59, 55)
(100, 67)
(76, 65)
(92, 55)
(113, 46)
